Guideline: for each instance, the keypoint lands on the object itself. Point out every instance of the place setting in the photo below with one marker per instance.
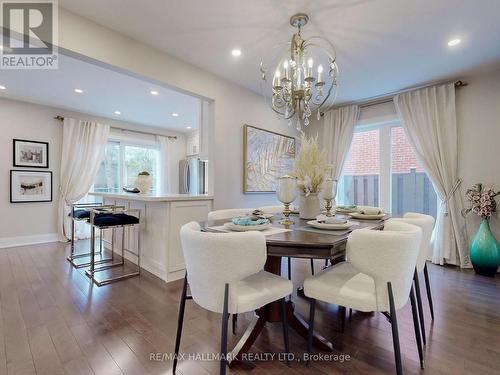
(256, 220)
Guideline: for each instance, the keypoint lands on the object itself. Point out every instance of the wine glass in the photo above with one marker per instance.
(286, 192)
(328, 193)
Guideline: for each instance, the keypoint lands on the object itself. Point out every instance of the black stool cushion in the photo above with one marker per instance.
(81, 214)
(110, 220)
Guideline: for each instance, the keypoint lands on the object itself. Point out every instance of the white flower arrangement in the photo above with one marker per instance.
(310, 166)
(482, 201)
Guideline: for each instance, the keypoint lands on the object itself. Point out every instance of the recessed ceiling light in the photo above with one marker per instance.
(188, 127)
(2, 87)
(154, 92)
(78, 91)
(236, 52)
(118, 113)
(454, 42)
(175, 114)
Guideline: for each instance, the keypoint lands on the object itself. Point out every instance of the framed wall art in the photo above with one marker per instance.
(267, 156)
(31, 154)
(30, 186)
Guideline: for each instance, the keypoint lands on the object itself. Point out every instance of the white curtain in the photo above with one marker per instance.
(84, 143)
(163, 168)
(429, 120)
(338, 129)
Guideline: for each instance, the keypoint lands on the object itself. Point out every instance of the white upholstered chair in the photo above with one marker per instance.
(426, 223)
(225, 275)
(377, 276)
(228, 214)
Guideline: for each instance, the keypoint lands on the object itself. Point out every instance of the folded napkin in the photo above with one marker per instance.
(246, 221)
(368, 210)
(351, 207)
(329, 220)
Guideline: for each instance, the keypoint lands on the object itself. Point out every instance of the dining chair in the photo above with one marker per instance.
(228, 213)
(376, 277)
(426, 223)
(225, 273)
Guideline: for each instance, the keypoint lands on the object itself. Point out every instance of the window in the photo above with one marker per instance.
(122, 163)
(381, 169)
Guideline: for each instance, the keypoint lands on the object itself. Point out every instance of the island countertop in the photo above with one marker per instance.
(152, 197)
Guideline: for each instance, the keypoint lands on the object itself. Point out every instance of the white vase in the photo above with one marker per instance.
(143, 183)
(309, 206)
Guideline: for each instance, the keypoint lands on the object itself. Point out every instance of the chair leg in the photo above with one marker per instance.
(289, 268)
(235, 323)
(223, 338)
(395, 333)
(342, 311)
(419, 304)
(416, 327)
(428, 287)
(180, 320)
(350, 315)
(285, 330)
(312, 266)
(312, 309)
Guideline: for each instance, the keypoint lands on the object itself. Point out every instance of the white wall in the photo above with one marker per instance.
(37, 220)
(24, 223)
(233, 105)
(478, 117)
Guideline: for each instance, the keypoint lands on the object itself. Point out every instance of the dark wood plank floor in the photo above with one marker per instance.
(53, 321)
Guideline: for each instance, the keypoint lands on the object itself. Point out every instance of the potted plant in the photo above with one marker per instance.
(484, 248)
(143, 182)
(310, 169)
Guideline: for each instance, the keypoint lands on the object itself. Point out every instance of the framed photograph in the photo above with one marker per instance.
(32, 154)
(30, 186)
(267, 156)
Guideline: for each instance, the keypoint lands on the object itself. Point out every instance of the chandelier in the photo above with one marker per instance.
(304, 79)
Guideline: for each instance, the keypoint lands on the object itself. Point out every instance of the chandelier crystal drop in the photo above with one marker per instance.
(304, 76)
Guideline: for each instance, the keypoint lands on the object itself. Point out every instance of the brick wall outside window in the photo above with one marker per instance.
(364, 154)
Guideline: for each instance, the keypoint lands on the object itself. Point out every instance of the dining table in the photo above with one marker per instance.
(298, 241)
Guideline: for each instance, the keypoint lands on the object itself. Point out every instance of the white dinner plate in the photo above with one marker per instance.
(357, 215)
(345, 210)
(246, 228)
(316, 224)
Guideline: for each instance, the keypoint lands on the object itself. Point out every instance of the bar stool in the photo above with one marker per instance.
(80, 213)
(113, 217)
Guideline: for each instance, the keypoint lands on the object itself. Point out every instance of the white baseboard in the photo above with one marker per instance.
(27, 240)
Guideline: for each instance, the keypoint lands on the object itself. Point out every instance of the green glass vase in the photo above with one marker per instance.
(485, 251)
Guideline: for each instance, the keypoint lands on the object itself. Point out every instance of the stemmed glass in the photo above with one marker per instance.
(328, 193)
(287, 193)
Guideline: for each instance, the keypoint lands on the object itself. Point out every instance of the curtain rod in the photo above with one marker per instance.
(389, 97)
(386, 98)
(173, 137)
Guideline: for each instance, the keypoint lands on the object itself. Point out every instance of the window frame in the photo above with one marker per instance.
(385, 158)
(124, 141)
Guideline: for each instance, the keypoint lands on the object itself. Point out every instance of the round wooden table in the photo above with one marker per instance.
(295, 243)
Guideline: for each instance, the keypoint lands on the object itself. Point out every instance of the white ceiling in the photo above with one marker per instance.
(105, 91)
(382, 46)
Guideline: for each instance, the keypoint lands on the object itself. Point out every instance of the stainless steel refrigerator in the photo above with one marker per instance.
(192, 176)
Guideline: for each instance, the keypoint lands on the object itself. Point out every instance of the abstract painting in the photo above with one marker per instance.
(267, 156)
(30, 186)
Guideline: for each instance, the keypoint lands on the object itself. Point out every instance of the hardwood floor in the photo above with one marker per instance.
(53, 321)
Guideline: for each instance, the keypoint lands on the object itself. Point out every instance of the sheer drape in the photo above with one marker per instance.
(163, 169)
(429, 120)
(338, 130)
(83, 148)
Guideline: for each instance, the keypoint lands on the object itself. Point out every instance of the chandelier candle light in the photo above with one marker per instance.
(297, 88)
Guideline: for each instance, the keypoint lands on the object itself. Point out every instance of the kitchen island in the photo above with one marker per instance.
(161, 219)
